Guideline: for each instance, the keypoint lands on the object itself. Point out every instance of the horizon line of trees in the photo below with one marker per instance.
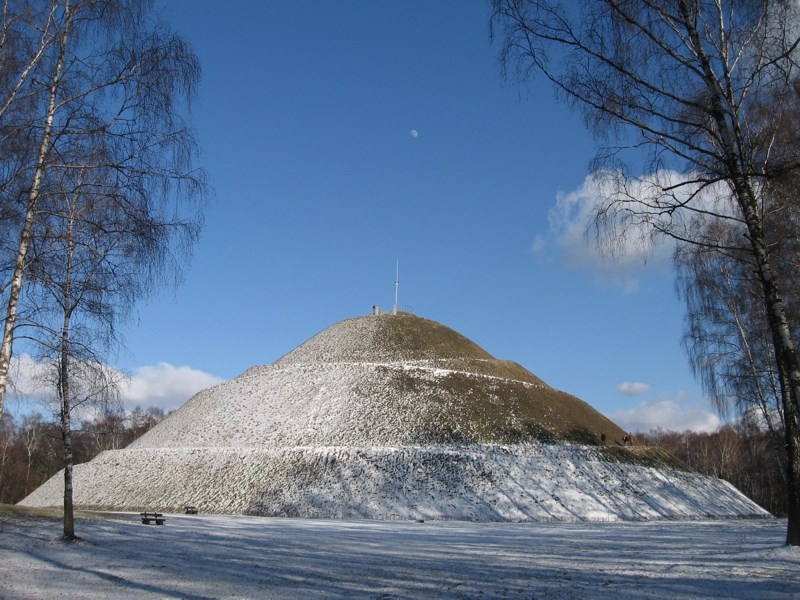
(31, 447)
(740, 453)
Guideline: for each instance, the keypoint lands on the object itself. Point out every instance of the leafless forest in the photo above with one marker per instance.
(745, 456)
(32, 451)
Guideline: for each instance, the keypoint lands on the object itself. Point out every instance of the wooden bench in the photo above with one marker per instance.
(191, 510)
(152, 517)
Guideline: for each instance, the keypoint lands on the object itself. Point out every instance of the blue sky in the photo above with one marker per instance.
(305, 117)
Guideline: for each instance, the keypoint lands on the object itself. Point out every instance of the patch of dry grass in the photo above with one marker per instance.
(24, 511)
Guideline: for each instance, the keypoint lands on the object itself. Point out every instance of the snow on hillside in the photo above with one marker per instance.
(325, 404)
(381, 418)
(388, 338)
(476, 483)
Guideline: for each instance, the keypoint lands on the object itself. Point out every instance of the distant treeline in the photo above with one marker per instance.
(31, 448)
(31, 452)
(745, 456)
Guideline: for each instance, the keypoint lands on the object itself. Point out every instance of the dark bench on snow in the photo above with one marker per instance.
(191, 510)
(152, 517)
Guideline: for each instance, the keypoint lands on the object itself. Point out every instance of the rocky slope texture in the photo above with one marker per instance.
(394, 416)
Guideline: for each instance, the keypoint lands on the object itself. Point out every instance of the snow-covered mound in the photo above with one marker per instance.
(539, 482)
(394, 416)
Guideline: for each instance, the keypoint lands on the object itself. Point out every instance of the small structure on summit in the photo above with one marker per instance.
(392, 416)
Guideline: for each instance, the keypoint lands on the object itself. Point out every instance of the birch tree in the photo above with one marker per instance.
(727, 336)
(110, 77)
(73, 317)
(680, 84)
(89, 250)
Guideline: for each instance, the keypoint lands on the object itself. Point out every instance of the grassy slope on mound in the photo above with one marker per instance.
(401, 338)
(645, 456)
(458, 406)
(384, 338)
(414, 337)
(462, 404)
(503, 369)
(495, 411)
(27, 511)
(474, 409)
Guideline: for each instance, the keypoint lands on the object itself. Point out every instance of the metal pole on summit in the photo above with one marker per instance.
(396, 287)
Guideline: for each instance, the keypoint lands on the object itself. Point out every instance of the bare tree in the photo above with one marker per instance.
(31, 435)
(7, 439)
(682, 82)
(107, 94)
(78, 287)
(90, 249)
(727, 337)
(110, 205)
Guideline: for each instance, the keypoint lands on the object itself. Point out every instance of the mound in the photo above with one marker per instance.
(392, 416)
(387, 380)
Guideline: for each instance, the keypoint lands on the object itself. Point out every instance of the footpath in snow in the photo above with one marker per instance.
(199, 557)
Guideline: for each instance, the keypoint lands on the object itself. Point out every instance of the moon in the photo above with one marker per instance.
(414, 133)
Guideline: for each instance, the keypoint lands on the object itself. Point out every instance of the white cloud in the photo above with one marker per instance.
(27, 377)
(622, 258)
(539, 244)
(668, 414)
(633, 388)
(572, 217)
(162, 385)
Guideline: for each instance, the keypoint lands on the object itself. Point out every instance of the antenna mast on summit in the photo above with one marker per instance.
(396, 287)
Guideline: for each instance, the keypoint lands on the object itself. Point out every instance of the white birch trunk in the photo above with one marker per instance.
(15, 286)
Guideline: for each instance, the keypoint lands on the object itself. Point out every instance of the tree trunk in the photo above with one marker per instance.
(69, 511)
(64, 383)
(785, 352)
(66, 424)
(15, 286)
(785, 356)
(793, 476)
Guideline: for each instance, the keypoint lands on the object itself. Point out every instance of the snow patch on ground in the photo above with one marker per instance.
(249, 557)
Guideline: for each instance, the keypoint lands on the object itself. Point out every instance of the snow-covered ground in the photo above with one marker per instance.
(201, 557)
